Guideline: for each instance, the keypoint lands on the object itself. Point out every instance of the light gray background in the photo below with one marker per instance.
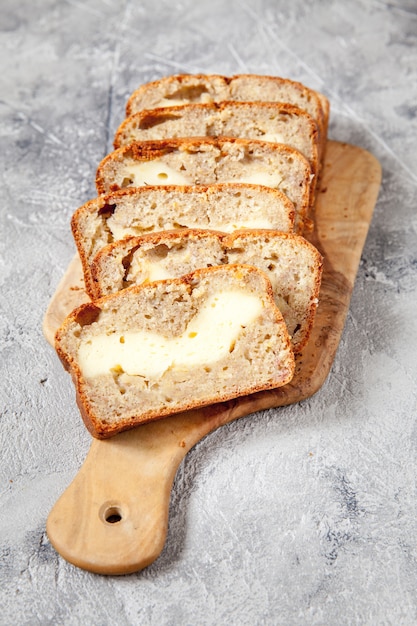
(302, 515)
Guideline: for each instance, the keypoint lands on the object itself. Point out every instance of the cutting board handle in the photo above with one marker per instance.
(113, 518)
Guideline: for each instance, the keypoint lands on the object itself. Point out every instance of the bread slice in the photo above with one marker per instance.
(292, 264)
(194, 88)
(274, 122)
(169, 346)
(203, 161)
(136, 211)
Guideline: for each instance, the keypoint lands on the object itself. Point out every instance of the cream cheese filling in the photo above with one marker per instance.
(251, 223)
(120, 231)
(273, 138)
(154, 172)
(268, 179)
(209, 336)
(140, 271)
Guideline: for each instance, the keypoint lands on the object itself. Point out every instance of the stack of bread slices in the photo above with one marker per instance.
(203, 286)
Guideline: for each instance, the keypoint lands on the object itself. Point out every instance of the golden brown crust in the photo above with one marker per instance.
(94, 205)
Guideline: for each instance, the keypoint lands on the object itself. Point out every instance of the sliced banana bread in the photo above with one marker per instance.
(203, 161)
(205, 88)
(136, 211)
(169, 346)
(292, 264)
(274, 122)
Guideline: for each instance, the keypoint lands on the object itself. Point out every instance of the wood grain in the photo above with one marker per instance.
(113, 517)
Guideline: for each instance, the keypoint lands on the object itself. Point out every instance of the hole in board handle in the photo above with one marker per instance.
(113, 517)
(111, 514)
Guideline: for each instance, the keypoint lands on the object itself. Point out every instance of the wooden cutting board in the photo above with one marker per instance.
(113, 517)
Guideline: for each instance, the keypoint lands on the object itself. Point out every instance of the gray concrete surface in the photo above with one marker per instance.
(302, 515)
